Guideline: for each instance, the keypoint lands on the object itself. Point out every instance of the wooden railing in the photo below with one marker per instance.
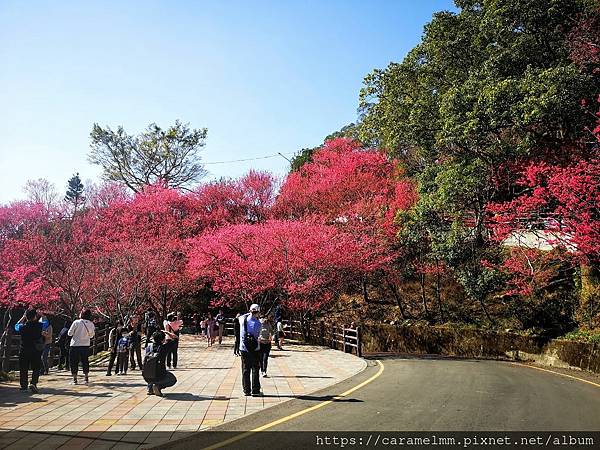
(9, 348)
(334, 336)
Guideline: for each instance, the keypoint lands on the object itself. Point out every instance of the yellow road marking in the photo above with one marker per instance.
(241, 436)
(557, 373)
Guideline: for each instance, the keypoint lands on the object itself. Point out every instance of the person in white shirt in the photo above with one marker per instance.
(81, 331)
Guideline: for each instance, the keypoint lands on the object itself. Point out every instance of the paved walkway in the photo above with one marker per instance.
(115, 412)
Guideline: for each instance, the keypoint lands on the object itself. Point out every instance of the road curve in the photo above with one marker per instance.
(423, 394)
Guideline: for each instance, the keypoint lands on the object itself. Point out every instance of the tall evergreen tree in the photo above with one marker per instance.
(74, 193)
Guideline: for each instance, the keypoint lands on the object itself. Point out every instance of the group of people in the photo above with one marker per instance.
(253, 341)
(210, 326)
(36, 339)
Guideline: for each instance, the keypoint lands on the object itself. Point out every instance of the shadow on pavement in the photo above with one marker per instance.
(187, 397)
(18, 398)
(54, 391)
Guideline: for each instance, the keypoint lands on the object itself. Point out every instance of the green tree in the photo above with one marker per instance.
(491, 82)
(75, 189)
(170, 156)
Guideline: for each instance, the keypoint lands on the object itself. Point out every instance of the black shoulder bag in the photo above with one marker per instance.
(250, 341)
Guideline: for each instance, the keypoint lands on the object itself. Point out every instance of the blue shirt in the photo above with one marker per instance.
(252, 325)
(44, 323)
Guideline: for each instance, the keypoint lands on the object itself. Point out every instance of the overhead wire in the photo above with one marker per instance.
(248, 159)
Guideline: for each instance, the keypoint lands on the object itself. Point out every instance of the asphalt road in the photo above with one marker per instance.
(416, 394)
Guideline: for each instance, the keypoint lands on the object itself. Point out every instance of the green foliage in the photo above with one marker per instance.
(591, 336)
(301, 158)
(170, 157)
(487, 82)
(74, 194)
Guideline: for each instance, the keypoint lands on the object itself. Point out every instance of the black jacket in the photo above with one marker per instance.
(63, 338)
(162, 350)
(31, 334)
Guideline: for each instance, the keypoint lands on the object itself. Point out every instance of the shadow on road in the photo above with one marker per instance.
(425, 357)
(295, 376)
(317, 398)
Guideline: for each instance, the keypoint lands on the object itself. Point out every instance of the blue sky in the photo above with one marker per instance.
(262, 76)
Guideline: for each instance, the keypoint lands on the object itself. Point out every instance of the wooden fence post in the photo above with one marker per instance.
(333, 343)
(322, 332)
(344, 340)
(358, 342)
(4, 361)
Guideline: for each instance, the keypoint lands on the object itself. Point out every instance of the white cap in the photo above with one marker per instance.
(254, 307)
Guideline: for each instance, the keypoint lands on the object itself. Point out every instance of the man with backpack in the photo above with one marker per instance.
(250, 327)
(63, 342)
(155, 373)
(30, 349)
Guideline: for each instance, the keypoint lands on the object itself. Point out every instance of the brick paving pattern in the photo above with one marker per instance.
(115, 412)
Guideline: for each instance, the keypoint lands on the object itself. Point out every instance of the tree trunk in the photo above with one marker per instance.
(423, 294)
(365, 291)
(398, 300)
(438, 289)
(589, 298)
(487, 314)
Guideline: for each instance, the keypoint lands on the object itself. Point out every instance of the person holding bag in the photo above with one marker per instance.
(173, 326)
(30, 349)
(250, 327)
(81, 331)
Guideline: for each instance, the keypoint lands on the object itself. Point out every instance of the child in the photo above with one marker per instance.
(123, 348)
(203, 327)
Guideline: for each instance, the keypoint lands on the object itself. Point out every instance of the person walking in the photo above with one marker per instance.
(266, 331)
(113, 339)
(278, 320)
(81, 331)
(48, 336)
(173, 325)
(155, 373)
(30, 349)
(196, 322)
(280, 335)
(250, 327)
(123, 348)
(136, 346)
(236, 332)
(63, 341)
(203, 327)
(150, 326)
(210, 330)
(220, 319)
